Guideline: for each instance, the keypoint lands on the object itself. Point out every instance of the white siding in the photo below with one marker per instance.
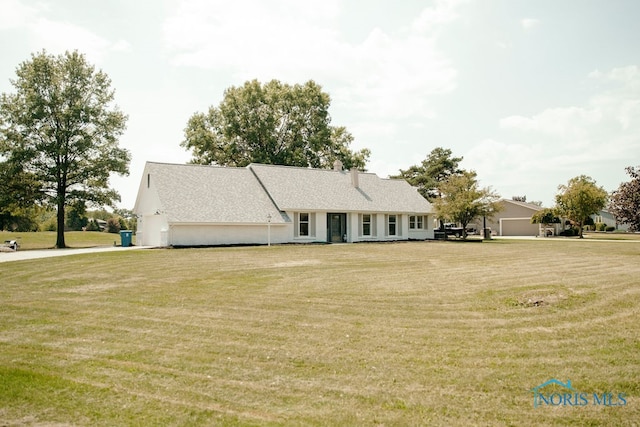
(211, 235)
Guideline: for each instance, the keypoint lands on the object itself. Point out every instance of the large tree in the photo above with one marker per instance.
(438, 166)
(579, 199)
(463, 200)
(60, 126)
(625, 201)
(272, 123)
(18, 192)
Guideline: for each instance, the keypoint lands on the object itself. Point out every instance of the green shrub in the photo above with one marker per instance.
(113, 225)
(50, 225)
(92, 225)
(123, 223)
(610, 228)
(600, 226)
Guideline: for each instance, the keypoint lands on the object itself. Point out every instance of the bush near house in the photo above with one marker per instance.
(570, 232)
(113, 225)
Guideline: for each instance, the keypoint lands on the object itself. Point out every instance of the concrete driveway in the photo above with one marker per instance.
(48, 253)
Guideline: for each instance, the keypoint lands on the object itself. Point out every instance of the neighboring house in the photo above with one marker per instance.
(515, 220)
(197, 205)
(609, 220)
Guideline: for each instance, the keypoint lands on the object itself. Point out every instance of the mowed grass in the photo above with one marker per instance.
(421, 333)
(73, 239)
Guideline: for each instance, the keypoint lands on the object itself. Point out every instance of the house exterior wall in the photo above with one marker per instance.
(513, 220)
(378, 224)
(609, 220)
(150, 230)
(212, 235)
(318, 231)
(421, 234)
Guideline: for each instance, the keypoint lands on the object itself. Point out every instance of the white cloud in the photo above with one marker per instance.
(570, 123)
(529, 23)
(15, 14)
(562, 142)
(55, 36)
(387, 75)
(443, 12)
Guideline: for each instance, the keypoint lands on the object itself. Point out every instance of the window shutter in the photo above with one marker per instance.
(374, 226)
(296, 224)
(312, 224)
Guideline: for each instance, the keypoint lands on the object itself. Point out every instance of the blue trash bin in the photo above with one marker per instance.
(125, 238)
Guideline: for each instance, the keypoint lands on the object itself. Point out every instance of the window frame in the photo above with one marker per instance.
(306, 222)
(416, 222)
(394, 223)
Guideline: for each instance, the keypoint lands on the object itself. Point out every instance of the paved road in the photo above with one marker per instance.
(47, 253)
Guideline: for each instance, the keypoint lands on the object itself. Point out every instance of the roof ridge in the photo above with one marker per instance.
(344, 171)
(196, 165)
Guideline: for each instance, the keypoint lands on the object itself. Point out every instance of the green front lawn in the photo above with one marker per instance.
(73, 239)
(421, 333)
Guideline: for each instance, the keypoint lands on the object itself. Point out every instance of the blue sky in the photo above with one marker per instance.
(530, 93)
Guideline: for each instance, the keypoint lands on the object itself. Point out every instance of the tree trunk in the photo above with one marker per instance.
(60, 244)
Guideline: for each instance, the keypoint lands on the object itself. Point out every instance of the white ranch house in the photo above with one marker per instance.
(197, 205)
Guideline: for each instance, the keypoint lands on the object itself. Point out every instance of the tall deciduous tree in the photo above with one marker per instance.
(463, 200)
(274, 123)
(625, 201)
(434, 170)
(61, 127)
(579, 199)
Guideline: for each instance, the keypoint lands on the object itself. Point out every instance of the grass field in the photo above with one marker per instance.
(422, 333)
(73, 239)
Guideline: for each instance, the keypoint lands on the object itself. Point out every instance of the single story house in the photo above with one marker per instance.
(515, 220)
(607, 218)
(198, 205)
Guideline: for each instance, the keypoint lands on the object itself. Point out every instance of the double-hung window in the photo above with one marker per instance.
(304, 224)
(392, 224)
(366, 224)
(416, 222)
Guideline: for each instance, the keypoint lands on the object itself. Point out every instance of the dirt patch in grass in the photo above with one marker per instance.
(540, 297)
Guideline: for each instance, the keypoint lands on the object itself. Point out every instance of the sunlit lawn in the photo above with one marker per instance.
(73, 239)
(421, 333)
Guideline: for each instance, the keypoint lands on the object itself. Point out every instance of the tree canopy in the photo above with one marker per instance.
(434, 170)
(60, 128)
(462, 200)
(272, 123)
(579, 199)
(625, 201)
(545, 216)
(18, 192)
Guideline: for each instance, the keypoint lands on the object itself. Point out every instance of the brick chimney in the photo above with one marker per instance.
(355, 177)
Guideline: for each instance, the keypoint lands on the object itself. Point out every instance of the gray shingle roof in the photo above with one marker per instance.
(294, 189)
(523, 204)
(211, 194)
